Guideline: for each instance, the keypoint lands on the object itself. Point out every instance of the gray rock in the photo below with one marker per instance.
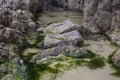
(53, 52)
(17, 16)
(115, 37)
(98, 15)
(63, 27)
(6, 54)
(69, 38)
(10, 35)
(116, 58)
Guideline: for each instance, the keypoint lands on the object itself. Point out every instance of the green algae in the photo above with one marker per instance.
(13, 71)
(113, 66)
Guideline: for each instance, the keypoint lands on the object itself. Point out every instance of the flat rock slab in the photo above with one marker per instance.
(63, 27)
(70, 38)
(53, 52)
(116, 58)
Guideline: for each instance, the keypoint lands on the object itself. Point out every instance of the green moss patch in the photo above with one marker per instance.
(113, 66)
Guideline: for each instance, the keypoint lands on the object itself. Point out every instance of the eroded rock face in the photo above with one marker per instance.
(16, 14)
(69, 38)
(6, 54)
(63, 27)
(97, 15)
(9, 35)
(116, 58)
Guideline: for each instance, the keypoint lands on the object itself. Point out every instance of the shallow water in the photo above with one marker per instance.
(59, 15)
(100, 46)
(83, 73)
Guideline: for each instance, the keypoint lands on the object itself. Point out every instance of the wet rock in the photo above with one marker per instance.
(53, 52)
(69, 38)
(16, 14)
(116, 21)
(116, 58)
(63, 27)
(6, 54)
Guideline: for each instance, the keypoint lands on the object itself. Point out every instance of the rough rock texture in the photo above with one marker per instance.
(15, 14)
(9, 35)
(116, 58)
(53, 52)
(71, 4)
(36, 6)
(97, 15)
(63, 27)
(115, 27)
(6, 54)
(69, 38)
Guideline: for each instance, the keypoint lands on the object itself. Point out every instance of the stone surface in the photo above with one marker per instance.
(53, 52)
(115, 37)
(9, 35)
(71, 4)
(63, 27)
(101, 15)
(6, 54)
(69, 38)
(16, 14)
(116, 58)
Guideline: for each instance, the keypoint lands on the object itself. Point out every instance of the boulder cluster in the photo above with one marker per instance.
(63, 36)
(16, 18)
(99, 16)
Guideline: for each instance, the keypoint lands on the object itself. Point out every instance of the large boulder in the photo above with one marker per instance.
(69, 38)
(63, 27)
(116, 58)
(98, 15)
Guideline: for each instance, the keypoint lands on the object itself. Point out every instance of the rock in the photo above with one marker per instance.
(115, 37)
(63, 27)
(89, 12)
(16, 15)
(53, 52)
(6, 54)
(10, 35)
(116, 58)
(116, 5)
(71, 4)
(69, 38)
(98, 16)
(36, 6)
(116, 21)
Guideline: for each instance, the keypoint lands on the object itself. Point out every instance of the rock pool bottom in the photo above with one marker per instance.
(100, 46)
